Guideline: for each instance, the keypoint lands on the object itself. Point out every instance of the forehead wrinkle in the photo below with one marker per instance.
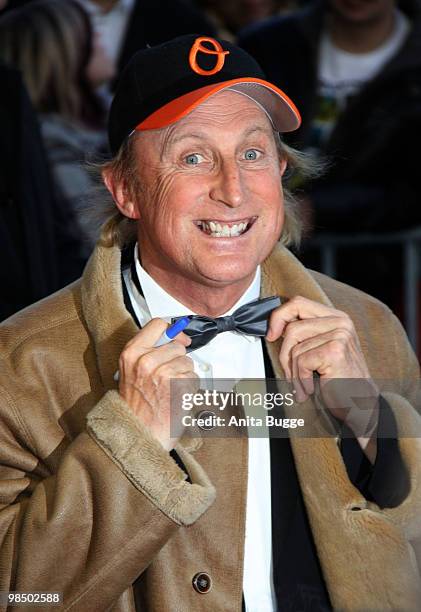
(166, 139)
(223, 114)
(226, 104)
(171, 136)
(177, 138)
(149, 144)
(217, 112)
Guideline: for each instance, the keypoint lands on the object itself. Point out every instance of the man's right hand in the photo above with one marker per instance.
(145, 373)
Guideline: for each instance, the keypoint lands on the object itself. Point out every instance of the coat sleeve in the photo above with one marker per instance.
(87, 520)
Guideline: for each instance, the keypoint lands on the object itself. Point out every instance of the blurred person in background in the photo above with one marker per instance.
(354, 69)
(31, 265)
(125, 26)
(52, 44)
(230, 16)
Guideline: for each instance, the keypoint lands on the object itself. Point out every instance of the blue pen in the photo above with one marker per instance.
(172, 331)
(169, 334)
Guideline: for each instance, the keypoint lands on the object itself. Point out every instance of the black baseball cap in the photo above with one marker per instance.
(162, 84)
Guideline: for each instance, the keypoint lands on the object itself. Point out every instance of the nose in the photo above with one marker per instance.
(228, 186)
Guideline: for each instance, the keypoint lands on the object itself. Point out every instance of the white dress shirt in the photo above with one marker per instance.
(236, 356)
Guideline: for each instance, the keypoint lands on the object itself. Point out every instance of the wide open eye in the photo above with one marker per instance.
(193, 159)
(251, 154)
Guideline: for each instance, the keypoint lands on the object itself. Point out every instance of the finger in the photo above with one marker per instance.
(299, 331)
(137, 361)
(187, 382)
(302, 380)
(183, 339)
(149, 334)
(316, 354)
(179, 365)
(297, 308)
(327, 355)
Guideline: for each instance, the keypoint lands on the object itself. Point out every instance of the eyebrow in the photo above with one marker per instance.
(258, 128)
(170, 139)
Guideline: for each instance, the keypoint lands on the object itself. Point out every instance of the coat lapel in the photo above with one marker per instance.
(109, 323)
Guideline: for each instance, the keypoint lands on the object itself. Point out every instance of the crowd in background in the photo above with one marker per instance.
(353, 68)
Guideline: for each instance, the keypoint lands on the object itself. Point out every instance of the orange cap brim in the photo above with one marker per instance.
(282, 111)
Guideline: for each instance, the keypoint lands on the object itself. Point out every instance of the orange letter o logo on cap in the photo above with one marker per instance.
(217, 50)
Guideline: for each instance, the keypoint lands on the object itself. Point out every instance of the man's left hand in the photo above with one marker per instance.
(318, 338)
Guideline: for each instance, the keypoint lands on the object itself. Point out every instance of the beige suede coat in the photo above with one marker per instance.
(89, 501)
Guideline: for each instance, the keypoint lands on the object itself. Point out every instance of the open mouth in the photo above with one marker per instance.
(218, 229)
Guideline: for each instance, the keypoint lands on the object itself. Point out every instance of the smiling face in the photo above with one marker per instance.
(211, 205)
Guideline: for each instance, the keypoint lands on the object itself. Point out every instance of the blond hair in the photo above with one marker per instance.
(50, 42)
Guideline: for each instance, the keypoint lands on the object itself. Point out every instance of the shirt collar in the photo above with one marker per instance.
(163, 305)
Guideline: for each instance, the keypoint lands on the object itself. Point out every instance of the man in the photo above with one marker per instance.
(102, 500)
(230, 17)
(125, 26)
(355, 74)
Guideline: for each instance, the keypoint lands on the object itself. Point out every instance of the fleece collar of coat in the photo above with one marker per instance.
(362, 550)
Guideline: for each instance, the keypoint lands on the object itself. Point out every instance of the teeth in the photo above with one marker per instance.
(216, 230)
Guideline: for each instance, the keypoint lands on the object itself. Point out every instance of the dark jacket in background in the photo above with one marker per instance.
(372, 182)
(154, 22)
(36, 248)
(28, 269)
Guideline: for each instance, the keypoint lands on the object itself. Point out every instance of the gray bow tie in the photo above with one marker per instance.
(250, 319)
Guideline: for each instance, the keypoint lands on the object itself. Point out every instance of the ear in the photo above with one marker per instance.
(124, 202)
(283, 165)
